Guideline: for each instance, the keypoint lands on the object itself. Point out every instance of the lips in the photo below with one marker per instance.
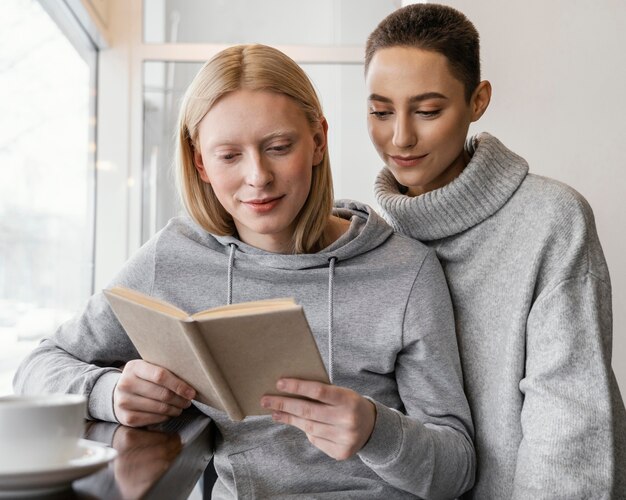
(408, 161)
(261, 205)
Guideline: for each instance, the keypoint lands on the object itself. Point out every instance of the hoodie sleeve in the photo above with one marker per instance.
(82, 356)
(428, 449)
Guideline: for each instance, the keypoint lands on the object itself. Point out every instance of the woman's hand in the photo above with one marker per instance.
(336, 420)
(148, 394)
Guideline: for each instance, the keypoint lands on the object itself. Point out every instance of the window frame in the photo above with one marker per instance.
(75, 22)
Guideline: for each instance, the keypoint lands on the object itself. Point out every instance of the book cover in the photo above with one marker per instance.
(231, 355)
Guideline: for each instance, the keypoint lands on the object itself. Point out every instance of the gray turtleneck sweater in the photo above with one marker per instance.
(532, 301)
(383, 330)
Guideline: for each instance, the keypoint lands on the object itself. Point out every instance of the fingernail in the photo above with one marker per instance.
(280, 384)
(265, 403)
(276, 416)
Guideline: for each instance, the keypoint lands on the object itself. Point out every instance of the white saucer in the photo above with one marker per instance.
(93, 456)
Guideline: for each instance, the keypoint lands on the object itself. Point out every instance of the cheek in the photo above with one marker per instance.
(304, 179)
(449, 131)
(220, 183)
(378, 132)
(219, 192)
(297, 172)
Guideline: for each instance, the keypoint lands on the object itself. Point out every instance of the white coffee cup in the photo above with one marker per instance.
(40, 432)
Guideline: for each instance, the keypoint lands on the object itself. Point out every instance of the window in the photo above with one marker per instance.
(47, 179)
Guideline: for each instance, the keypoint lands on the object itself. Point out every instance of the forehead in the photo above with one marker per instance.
(411, 71)
(247, 114)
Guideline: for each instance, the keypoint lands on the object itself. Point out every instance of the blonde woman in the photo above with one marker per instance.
(255, 179)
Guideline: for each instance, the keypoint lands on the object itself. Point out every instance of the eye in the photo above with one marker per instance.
(429, 114)
(280, 148)
(381, 115)
(227, 157)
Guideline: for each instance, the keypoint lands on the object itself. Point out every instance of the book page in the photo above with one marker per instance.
(147, 301)
(244, 308)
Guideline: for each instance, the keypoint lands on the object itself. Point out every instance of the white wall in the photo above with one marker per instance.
(558, 70)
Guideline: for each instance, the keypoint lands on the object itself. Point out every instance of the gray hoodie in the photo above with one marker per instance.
(532, 300)
(384, 327)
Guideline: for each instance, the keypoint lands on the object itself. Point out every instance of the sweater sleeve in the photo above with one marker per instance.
(83, 355)
(573, 419)
(426, 450)
(572, 408)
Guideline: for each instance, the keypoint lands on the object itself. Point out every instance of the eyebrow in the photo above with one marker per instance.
(413, 99)
(279, 134)
(286, 133)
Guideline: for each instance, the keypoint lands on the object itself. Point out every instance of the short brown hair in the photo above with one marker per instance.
(249, 67)
(438, 28)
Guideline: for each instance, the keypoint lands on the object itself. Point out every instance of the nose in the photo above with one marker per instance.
(404, 133)
(258, 174)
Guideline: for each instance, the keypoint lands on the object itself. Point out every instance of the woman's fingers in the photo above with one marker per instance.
(161, 377)
(335, 419)
(136, 402)
(311, 428)
(150, 390)
(318, 391)
(140, 419)
(148, 394)
(308, 410)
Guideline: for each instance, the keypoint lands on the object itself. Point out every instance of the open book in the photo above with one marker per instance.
(231, 355)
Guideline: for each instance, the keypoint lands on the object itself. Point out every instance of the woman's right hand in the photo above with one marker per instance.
(148, 394)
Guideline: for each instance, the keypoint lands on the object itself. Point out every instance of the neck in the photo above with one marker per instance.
(283, 243)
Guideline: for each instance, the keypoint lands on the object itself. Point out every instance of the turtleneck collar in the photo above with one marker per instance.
(488, 181)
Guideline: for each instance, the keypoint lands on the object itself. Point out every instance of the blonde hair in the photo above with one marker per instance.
(250, 67)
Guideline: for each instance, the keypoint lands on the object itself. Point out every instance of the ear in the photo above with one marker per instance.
(480, 99)
(320, 137)
(199, 164)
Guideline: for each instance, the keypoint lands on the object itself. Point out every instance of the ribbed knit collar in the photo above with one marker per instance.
(488, 181)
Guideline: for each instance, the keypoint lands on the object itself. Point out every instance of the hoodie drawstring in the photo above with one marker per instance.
(331, 282)
(231, 262)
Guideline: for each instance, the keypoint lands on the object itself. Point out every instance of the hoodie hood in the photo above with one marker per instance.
(367, 231)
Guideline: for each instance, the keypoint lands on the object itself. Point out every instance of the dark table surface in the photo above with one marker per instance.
(164, 461)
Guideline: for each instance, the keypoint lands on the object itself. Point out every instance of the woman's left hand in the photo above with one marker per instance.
(336, 420)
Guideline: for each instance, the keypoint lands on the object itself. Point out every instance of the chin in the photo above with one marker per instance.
(270, 229)
(409, 181)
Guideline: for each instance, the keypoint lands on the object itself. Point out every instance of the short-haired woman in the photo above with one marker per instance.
(529, 285)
